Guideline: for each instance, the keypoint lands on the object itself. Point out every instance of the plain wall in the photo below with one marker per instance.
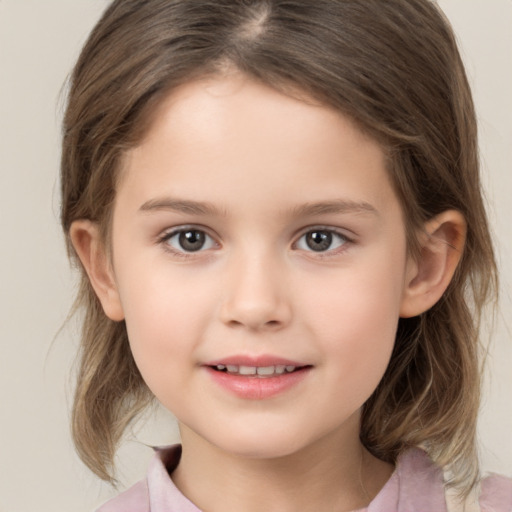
(39, 41)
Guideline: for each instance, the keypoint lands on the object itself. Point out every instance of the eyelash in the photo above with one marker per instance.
(167, 236)
(346, 241)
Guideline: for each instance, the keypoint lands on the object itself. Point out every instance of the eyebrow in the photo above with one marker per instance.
(337, 206)
(181, 206)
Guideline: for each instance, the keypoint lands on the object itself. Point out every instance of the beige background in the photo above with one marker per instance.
(39, 41)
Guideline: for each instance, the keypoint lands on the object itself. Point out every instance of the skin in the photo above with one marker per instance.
(256, 160)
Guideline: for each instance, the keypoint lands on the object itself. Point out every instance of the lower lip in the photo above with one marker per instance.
(258, 388)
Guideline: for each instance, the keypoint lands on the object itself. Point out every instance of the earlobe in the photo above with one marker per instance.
(442, 244)
(86, 240)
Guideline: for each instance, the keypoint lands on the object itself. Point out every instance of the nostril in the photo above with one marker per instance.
(255, 312)
(235, 323)
(269, 325)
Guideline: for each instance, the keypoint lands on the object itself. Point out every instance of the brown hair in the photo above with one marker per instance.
(391, 65)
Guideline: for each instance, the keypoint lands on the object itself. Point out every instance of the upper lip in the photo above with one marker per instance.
(258, 361)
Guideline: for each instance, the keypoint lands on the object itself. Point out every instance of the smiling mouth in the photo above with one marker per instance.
(257, 371)
(257, 378)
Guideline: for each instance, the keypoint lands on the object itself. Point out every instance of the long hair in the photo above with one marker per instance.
(393, 67)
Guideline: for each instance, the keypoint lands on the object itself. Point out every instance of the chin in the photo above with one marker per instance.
(260, 443)
(262, 451)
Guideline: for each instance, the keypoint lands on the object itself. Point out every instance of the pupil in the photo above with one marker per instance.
(191, 240)
(319, 240)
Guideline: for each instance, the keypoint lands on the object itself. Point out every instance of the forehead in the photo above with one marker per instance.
(232, 100)
(231, 136)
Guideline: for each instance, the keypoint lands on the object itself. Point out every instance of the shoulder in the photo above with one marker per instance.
(135, 499)
(496, 494)
(157, 493)
(421, 483)
(418, 485)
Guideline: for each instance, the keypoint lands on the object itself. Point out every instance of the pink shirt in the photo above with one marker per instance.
(415, 486)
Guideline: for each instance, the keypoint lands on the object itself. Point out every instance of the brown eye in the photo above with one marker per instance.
(321, 240)
(189, 240)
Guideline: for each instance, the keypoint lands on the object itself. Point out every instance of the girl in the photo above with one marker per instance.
(277, 212)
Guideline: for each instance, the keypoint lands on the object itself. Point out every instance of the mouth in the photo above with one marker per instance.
(257, 371)
(257, 377)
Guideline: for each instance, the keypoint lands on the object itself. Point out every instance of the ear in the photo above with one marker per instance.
(86, 239)
(442, 243)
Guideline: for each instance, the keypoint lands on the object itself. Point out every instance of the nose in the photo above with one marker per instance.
(256, 296)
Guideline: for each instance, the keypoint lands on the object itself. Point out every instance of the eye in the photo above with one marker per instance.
(188, 240)
(321, 240)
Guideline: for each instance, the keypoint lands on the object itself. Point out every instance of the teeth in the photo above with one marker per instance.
(247, 370)
(263, 371)
(266, 370)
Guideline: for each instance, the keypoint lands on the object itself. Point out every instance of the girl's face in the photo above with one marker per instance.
(260, 260)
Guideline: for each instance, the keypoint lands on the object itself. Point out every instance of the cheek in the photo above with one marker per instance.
(360, 348)
(362, 338)
(154, 336)
(357, 320)
(165, 314)
(360, 300)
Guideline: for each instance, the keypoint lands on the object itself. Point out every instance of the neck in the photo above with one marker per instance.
(334, 473)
